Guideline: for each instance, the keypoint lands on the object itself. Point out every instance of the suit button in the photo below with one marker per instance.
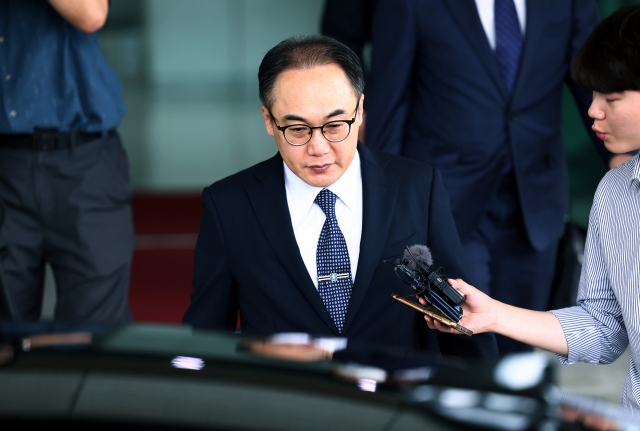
(502, 160)
(512, 116)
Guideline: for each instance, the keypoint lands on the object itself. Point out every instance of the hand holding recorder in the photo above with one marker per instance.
(475, 311)
(484, 314)
(417, 270)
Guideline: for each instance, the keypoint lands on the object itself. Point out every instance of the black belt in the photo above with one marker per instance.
(48, 140)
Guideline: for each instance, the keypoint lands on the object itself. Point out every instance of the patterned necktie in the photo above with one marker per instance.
(508, 41)
(332, 259)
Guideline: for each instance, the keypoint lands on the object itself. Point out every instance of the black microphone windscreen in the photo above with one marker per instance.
(422, 255)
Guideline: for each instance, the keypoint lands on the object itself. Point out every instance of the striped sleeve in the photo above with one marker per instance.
(594, 329)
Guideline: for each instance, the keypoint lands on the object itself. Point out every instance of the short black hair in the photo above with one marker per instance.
(303, 52)
(609, 61)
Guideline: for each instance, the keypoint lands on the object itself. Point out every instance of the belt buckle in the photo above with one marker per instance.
(44, 140)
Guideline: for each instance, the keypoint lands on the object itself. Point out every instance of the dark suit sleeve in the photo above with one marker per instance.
(349, 22)
(214, 302)
(447, 253)
(387, 94)
(585, 19)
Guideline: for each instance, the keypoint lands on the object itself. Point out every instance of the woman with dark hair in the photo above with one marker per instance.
(607, 317)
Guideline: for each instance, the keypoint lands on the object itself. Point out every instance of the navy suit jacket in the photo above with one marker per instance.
(247, 257)
(435, 94)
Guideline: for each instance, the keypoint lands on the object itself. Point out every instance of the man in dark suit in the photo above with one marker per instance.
(296, 243)
(350, 22)
(475, 89)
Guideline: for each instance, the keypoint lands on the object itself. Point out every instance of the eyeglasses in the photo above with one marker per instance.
(300, 134)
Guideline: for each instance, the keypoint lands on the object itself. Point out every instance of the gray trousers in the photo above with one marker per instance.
(71, 208)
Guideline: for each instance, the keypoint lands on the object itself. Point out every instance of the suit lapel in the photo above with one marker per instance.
(536, 11)
(465, 14)
(269, 201)
(378, 200)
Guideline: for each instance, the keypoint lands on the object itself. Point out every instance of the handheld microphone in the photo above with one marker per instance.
(422, 261)
(428, 281)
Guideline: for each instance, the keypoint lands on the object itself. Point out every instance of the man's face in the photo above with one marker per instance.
(314, 97)
(617, 120)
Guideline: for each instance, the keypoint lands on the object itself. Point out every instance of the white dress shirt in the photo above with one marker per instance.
(308, 218)
(485, 10)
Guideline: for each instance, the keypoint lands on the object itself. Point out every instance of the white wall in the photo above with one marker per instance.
(198, 118)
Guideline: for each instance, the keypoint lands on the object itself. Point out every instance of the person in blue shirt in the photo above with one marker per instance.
(606, 319)
(64, 179)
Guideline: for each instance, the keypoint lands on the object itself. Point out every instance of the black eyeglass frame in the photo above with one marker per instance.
(283, 129)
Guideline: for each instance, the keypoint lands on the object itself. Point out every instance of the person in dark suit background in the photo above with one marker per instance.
(350, 22)
(296, 243)
(475, 89)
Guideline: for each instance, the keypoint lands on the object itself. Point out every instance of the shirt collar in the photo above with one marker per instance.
(635, 173)
(346, 188)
